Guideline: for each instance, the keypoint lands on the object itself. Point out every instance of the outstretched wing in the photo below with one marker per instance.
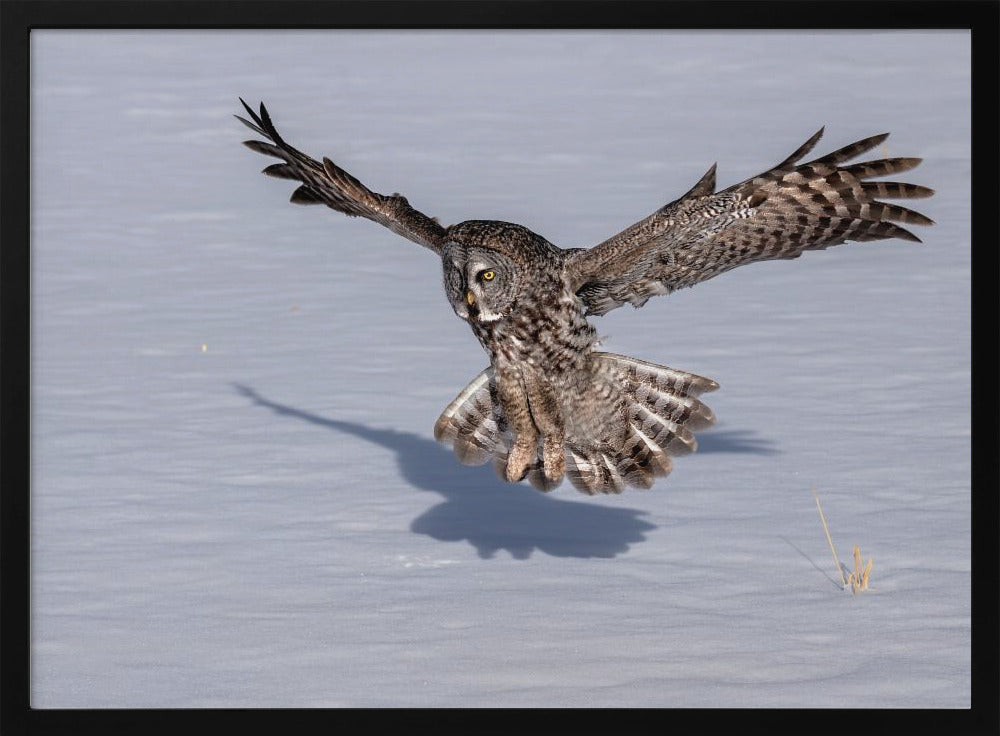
(329, 184)
(778, 214)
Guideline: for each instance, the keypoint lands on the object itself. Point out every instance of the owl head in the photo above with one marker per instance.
(485, 263)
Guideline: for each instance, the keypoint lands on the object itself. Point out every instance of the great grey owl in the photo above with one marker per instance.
(550, 405)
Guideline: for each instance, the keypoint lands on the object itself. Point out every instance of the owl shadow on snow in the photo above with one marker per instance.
(491, 514)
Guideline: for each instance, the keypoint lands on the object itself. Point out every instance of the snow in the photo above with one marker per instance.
(236, 496)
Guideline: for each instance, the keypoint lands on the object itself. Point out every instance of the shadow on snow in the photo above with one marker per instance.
(493, 515)
(733, 440)
(479, 507)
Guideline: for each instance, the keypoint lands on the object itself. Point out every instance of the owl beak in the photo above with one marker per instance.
(470, 298)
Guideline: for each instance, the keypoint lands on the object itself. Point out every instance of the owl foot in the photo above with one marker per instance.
(521, 457)
(553, 460)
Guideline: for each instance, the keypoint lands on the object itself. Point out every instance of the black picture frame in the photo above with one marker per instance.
(18, 18)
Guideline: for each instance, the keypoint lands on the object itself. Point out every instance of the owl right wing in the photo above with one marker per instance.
(780, 213)
(329, 184)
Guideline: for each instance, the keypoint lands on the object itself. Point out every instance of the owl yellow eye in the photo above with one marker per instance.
(487, 275)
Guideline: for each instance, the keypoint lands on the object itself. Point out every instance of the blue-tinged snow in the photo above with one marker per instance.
(236, 496)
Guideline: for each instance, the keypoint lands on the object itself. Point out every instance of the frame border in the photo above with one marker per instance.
(19, 17)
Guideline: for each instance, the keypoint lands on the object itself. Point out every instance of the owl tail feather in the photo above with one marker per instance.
(473, 423)
(661, 405)
(662, 408)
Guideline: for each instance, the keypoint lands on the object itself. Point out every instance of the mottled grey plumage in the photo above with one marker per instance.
(550, 405)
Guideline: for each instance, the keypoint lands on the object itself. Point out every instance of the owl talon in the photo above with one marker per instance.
(553, 461)
(520, 460)
(516, 473)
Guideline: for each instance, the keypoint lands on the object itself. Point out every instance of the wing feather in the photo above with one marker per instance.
(780, 213)
(326, 183)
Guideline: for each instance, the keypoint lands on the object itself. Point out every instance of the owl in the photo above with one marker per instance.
(550, 405)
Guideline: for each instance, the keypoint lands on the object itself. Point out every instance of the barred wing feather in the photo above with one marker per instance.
(779, 214)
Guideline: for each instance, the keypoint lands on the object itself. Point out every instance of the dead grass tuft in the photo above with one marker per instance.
(857, 580)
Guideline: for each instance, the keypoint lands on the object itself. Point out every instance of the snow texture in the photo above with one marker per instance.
(236, 496)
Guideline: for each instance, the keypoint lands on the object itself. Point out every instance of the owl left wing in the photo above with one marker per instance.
(780, 213)
(326, 183)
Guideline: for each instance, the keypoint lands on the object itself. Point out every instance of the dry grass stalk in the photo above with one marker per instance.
(836, 560)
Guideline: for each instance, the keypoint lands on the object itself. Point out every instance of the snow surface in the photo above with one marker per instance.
(236, 496)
